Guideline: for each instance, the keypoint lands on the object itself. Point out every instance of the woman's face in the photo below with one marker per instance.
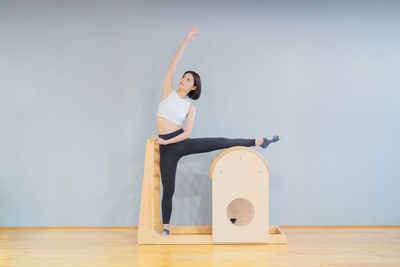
(187, 82)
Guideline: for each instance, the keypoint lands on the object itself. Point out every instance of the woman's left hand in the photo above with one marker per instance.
(159, 141)
(192, 34)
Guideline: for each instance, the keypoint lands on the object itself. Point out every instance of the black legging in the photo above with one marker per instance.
(171, 153)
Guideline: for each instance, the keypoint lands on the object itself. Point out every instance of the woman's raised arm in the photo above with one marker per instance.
(167, 87)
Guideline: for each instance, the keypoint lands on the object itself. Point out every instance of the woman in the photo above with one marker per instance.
(173, 140)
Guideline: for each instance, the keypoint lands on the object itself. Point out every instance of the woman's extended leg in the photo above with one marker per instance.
(207, 144)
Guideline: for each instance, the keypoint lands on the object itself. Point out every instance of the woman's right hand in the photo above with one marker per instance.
(192, 34)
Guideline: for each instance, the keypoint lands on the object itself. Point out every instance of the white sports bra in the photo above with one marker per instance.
(174, 108)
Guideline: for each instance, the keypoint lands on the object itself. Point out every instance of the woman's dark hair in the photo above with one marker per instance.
(195, 94)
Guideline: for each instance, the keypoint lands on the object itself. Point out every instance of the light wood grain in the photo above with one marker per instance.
(241, 176)
(323, 247)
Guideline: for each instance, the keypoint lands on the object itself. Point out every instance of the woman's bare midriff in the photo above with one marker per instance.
(166, 126)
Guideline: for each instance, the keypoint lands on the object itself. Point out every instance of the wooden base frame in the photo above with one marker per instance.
(150, 224)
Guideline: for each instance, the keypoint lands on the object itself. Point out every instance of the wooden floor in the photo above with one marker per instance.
(325, 247)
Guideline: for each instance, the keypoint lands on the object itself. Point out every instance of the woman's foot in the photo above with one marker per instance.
(268, 140)
(165, 232)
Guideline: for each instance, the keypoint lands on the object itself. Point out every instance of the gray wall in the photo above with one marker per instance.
(80, 82)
